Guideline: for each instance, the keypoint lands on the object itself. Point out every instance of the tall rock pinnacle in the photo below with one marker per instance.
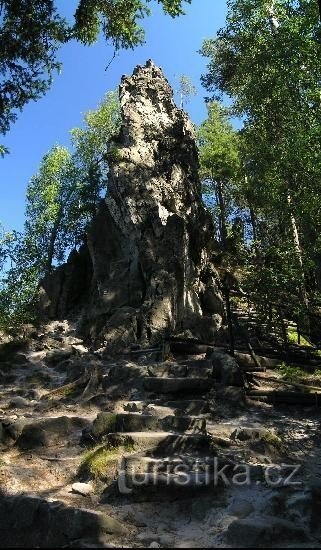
(151, 246)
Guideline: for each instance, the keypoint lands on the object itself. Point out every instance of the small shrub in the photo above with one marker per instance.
(292, 373)
(274, 440)
(293, 338)
(102, 462)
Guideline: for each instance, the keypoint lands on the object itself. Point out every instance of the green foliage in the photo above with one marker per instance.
(186, 89)
(3, 151)
(293, 338)
(100, 126)
(218, 145)
(32, 31)
(62, 198)
(292, 374)
(219, 155)
(115, 154)
(50, 212)
(118, 19)
(173, 7)
(268, 63)
(6, 240)
(272, 274)
(15, 284)
(274, 440)
(267, 59)
(101, 463)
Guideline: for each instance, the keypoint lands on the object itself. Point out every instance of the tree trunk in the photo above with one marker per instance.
(54, 233)
(253, 223)
(274, 23)
(284, 331)
(51, 249)
(221, 203)
(299, 255)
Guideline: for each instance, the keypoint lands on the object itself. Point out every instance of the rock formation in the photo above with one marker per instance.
(151, 245)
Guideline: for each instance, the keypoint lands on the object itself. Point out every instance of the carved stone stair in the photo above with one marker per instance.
(167, 430)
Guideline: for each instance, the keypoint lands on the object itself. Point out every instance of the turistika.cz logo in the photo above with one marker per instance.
(204, 472)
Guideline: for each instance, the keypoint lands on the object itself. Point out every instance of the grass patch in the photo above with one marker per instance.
(293, 338)
(292, 373)
(102, 462)
(295, 375)
(273, 440)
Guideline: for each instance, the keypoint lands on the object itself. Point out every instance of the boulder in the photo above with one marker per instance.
(7, 377)
(103, 424)
(241, 509)
(50, 432)
(255, 434)
(29, 522)
(18, 403)
(56, 356)
(262, 531)
(11, 430)
(122, 373)
(66, 289)
(232, 394)
(82, 489)
(314, 486)
(3, 434)
(225, 369)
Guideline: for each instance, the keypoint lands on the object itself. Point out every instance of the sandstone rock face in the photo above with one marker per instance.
(67, 288)
(151, 245)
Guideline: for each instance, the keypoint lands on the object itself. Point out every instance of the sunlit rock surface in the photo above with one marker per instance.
(151, 245)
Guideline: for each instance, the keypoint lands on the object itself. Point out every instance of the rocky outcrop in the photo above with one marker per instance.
(67, 288)
(152, 250)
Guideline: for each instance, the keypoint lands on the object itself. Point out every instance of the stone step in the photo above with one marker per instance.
(141, 464)
(202, 368)
(162, 408)
(160, 411)
(160, 443)
(177, 385)
(184, 471)
(188, 348)
(184, 481)
(51, 431)
(189, 406)
(135, 422)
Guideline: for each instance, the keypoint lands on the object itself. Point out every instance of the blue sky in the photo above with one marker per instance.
(172, 44)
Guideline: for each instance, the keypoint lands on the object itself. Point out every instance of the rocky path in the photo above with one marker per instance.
(151, 458)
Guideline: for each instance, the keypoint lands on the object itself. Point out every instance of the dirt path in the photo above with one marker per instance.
(43, 450)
